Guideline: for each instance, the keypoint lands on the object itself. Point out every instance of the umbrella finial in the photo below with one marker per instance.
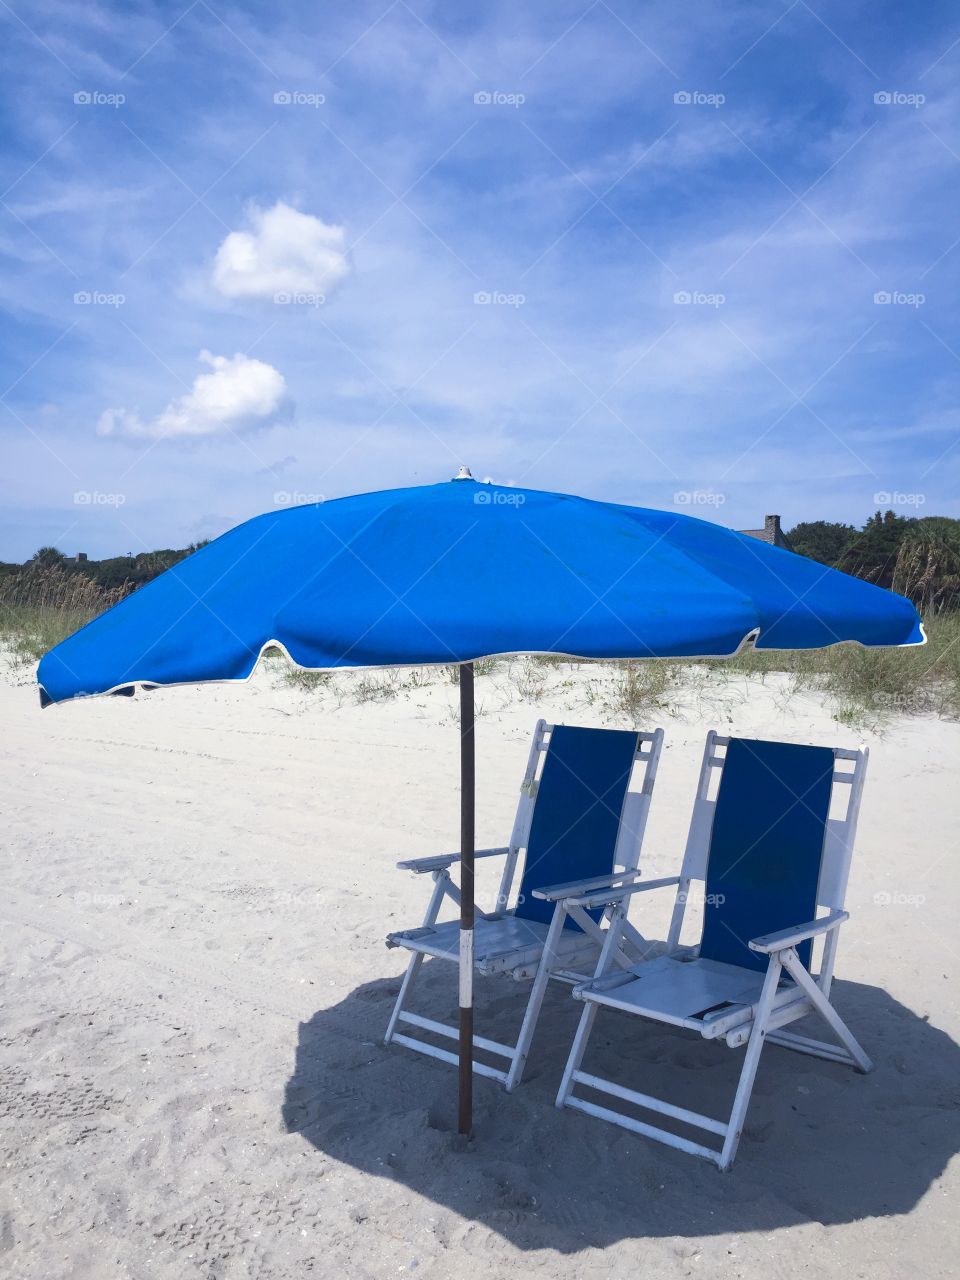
(464, 474)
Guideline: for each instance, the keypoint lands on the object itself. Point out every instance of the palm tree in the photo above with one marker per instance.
(928, 564)
(49, 557)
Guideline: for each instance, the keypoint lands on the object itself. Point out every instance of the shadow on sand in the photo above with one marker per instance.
(822, 1144)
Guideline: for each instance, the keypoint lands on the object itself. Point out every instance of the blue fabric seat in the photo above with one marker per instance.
(573, 835)
(766, 847)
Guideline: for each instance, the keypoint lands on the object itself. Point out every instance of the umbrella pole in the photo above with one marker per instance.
(467, 847)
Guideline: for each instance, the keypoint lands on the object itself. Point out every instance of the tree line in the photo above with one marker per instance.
(916, 557)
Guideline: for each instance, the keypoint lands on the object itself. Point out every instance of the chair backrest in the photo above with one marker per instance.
(768, 842)
(583, 809)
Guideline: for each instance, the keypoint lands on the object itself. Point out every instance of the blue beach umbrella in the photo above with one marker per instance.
(452, 572)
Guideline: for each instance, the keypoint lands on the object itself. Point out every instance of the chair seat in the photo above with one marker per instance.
(501, 942)
(678, 991)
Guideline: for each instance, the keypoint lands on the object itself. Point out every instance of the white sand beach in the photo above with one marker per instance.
(196, 888)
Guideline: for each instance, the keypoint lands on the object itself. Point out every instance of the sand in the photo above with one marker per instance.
(196, 888)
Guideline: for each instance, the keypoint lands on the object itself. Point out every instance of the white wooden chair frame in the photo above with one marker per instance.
(766, 1010)
(521, 948)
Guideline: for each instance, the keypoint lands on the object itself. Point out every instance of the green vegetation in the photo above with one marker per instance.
(874, 682)
(928, 565)
(42, 605)
(297, 678)
(643, 687)
(919, 558)
(126, 572)
(822, 540)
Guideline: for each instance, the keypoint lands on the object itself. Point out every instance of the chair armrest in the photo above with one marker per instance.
(553, 892)
(786, 938)
(440, 861)
(614, 894)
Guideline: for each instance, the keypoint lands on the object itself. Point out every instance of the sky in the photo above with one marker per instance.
(253, 255)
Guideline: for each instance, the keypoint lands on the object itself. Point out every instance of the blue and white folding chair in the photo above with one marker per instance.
(771, 844)
(580, 823)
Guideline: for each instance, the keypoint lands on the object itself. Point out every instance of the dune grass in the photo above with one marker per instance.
(42, 605)
(862, 686)
(874, 681)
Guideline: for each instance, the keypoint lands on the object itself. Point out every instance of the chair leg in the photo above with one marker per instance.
(413, 968)
(441, 880)
(537, 992)
(605, 963)
(822, 1006)
(751, 1061)
(577, 1050)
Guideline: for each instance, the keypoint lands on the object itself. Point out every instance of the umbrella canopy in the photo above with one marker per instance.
(450, 572)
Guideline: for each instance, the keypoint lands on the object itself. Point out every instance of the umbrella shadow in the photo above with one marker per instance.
(822, 1143)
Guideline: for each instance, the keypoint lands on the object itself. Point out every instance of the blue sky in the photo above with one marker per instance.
(254, 254)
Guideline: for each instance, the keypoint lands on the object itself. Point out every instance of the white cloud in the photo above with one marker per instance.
(238, 394)
(286, 252)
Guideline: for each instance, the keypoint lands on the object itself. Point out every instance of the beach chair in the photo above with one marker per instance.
(770, 840)
(579, 824)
